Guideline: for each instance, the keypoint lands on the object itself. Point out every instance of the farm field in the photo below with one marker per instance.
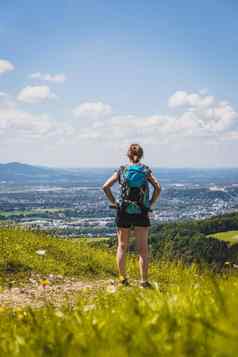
(230, 236)
(30, 212)
(57, 299)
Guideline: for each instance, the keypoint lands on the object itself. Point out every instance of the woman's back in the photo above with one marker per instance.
(133, 209)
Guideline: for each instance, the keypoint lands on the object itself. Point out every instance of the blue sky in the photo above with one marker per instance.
(160, 73)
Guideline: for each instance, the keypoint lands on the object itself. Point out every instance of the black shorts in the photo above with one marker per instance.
(126, 220)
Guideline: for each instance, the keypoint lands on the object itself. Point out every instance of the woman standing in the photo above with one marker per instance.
(133, 209)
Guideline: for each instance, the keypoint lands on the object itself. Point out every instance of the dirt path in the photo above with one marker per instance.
(37, 294)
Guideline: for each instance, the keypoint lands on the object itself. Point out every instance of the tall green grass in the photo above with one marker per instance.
(66, 257)
(196, 317)
(191, 312)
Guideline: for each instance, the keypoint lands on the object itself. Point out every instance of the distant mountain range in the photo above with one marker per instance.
(16, 172)
(19, 173)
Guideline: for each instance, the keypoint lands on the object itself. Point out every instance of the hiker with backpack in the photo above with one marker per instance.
(133, 209)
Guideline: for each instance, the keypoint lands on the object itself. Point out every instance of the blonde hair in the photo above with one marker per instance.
(135, 152)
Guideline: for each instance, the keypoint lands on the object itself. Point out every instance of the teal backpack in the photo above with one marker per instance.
(134, 198)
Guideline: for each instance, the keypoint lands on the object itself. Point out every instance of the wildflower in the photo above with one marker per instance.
(33, 281)
(41, 252)
(44, 283)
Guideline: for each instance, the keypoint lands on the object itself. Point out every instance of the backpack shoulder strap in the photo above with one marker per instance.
(120, 172)
(147, 170)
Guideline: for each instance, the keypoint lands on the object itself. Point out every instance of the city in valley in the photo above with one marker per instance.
(72, 203)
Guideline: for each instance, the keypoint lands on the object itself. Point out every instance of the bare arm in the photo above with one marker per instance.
(107, 187)
(157, 189)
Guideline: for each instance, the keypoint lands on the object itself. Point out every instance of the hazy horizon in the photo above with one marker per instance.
(113, 167)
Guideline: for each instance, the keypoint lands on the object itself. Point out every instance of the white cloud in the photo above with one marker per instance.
(221, 117)
(197, 123)
(92, 109)
(35, 94)
(14, 120)
(57, 78)
(5, 66)
(183, 99)
(202, 116)
(18, 124)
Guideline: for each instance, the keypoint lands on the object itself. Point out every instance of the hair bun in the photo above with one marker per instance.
(135, 152)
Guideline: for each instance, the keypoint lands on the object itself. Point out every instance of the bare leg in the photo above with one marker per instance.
(141, 234)
(122, 234)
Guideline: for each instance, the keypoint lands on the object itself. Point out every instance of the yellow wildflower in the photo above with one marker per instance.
(44, 283)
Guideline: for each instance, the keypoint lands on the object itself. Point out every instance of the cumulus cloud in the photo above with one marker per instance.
(5, 66)
(18, 124)
(220, 118)
(14, 121)
(96, 121)
(92, 109)
(203, 113)
(35, 94)
(56, 78)
(202, 116)
(183, 99)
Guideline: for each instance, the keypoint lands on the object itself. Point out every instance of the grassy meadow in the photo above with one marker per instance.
(230, 236)
(190, 312)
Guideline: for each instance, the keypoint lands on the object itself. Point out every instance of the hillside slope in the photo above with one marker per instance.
(190, 311)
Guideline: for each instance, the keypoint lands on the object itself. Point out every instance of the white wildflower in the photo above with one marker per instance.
(41, 252)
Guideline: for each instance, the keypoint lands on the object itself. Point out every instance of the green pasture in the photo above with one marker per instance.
(230, 236)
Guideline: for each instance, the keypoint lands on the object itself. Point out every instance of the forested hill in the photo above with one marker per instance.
(19, 172)
(197, 240)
